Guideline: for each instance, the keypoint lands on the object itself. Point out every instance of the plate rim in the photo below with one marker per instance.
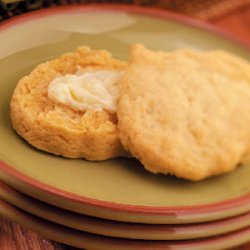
(40, 225)
(177, 232)
(128, 208)
(134, 9)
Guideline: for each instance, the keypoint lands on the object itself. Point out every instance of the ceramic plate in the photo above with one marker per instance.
(118, 189)
(121, 229)
(92, 241)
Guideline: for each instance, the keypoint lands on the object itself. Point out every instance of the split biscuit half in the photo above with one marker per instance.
(57, 128)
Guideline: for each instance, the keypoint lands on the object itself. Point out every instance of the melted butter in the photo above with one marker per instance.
(87, 90)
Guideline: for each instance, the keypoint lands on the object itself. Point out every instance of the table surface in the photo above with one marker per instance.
(14, 237)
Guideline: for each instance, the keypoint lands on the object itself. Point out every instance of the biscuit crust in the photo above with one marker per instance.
(186, 113)
(56, 128)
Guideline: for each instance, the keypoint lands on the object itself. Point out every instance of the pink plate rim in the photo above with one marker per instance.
(179, 229)
(154, 12)
(243, 200)
(232, 239)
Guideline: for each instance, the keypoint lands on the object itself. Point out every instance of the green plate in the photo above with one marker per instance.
(117, 189)
(122, 229)
(92, 241)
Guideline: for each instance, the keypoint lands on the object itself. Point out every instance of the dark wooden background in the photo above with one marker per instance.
(14, 237)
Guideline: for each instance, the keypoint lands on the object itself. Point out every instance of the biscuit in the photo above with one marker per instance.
(56, 128)
(186, 113)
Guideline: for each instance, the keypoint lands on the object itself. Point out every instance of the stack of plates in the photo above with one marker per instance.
(114, 204)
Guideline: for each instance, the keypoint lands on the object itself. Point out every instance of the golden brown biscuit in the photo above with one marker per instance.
(57, 128)
(185, 112)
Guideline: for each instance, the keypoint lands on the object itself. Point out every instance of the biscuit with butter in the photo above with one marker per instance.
(186, 113)
(67, 106)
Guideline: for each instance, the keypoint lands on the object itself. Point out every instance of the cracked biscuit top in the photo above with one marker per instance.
(185, 112)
